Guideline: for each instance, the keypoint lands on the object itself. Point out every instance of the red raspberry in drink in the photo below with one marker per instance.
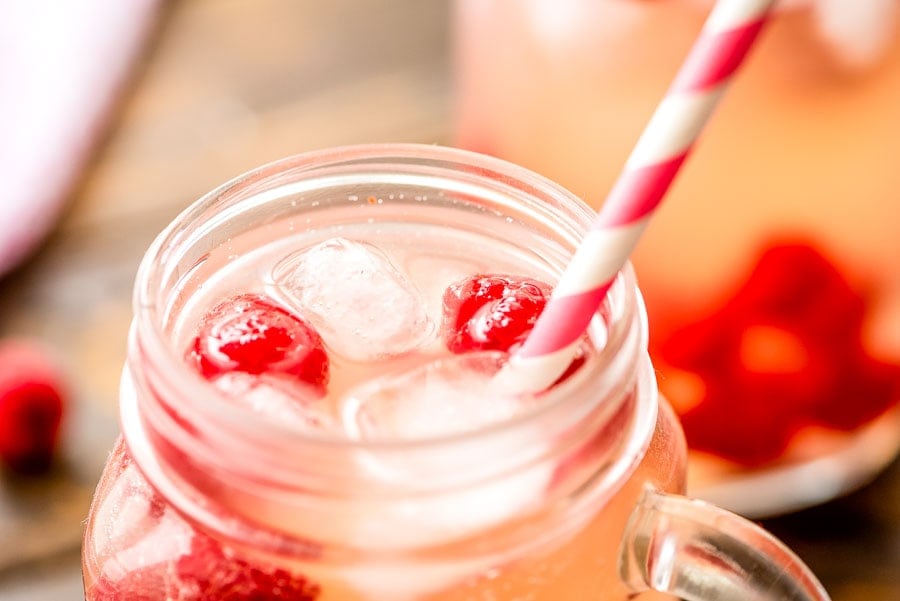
(211, 572)
(208, 572)
(251, 334)
(491, 312)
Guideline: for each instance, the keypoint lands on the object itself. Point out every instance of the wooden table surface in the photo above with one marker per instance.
(226, 85)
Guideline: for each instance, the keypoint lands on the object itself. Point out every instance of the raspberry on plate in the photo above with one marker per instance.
(491, 312)
(31, 407)
(784, 352)
(249, 333)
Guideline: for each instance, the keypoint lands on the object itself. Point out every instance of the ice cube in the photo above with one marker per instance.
(289, 403)
(443, 397)
(160, 545)
(362, 305)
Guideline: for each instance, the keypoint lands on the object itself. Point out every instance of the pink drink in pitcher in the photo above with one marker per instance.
(769, 274)
(309, 410)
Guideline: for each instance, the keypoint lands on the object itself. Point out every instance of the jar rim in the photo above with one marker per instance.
(157, 267)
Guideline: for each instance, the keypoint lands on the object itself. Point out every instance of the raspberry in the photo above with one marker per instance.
(746, 429)
(251, 334)
(211, 572)
(31, 407)
(784, 352)
(491, 312)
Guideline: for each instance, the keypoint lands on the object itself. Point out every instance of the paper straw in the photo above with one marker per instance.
(727, 35)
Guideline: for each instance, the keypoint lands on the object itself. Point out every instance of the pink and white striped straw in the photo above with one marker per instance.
(727, 35)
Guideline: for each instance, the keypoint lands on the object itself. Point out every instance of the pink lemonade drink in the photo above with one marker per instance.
(309, 410)
(789, 201)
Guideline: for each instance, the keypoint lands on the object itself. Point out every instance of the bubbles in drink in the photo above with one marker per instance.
(364, 307)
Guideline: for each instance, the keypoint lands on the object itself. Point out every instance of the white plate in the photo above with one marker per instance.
(819, 466)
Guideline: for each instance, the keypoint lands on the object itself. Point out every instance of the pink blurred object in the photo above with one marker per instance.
(61, 67)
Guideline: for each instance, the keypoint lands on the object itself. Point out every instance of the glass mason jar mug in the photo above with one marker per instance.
(219, 492)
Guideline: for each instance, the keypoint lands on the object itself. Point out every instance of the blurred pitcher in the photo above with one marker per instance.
(770, 273)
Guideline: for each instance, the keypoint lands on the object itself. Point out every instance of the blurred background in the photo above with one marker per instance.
(115, 118)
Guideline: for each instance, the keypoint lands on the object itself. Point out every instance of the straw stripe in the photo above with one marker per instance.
(582, 288)
(602, 257)
(637, 192)
(715, 57)
(530, 373)
(675, 125)
(726, 15)
(659, 154)
(564, 330)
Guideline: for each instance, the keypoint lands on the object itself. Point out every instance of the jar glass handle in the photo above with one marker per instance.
(700, 552)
